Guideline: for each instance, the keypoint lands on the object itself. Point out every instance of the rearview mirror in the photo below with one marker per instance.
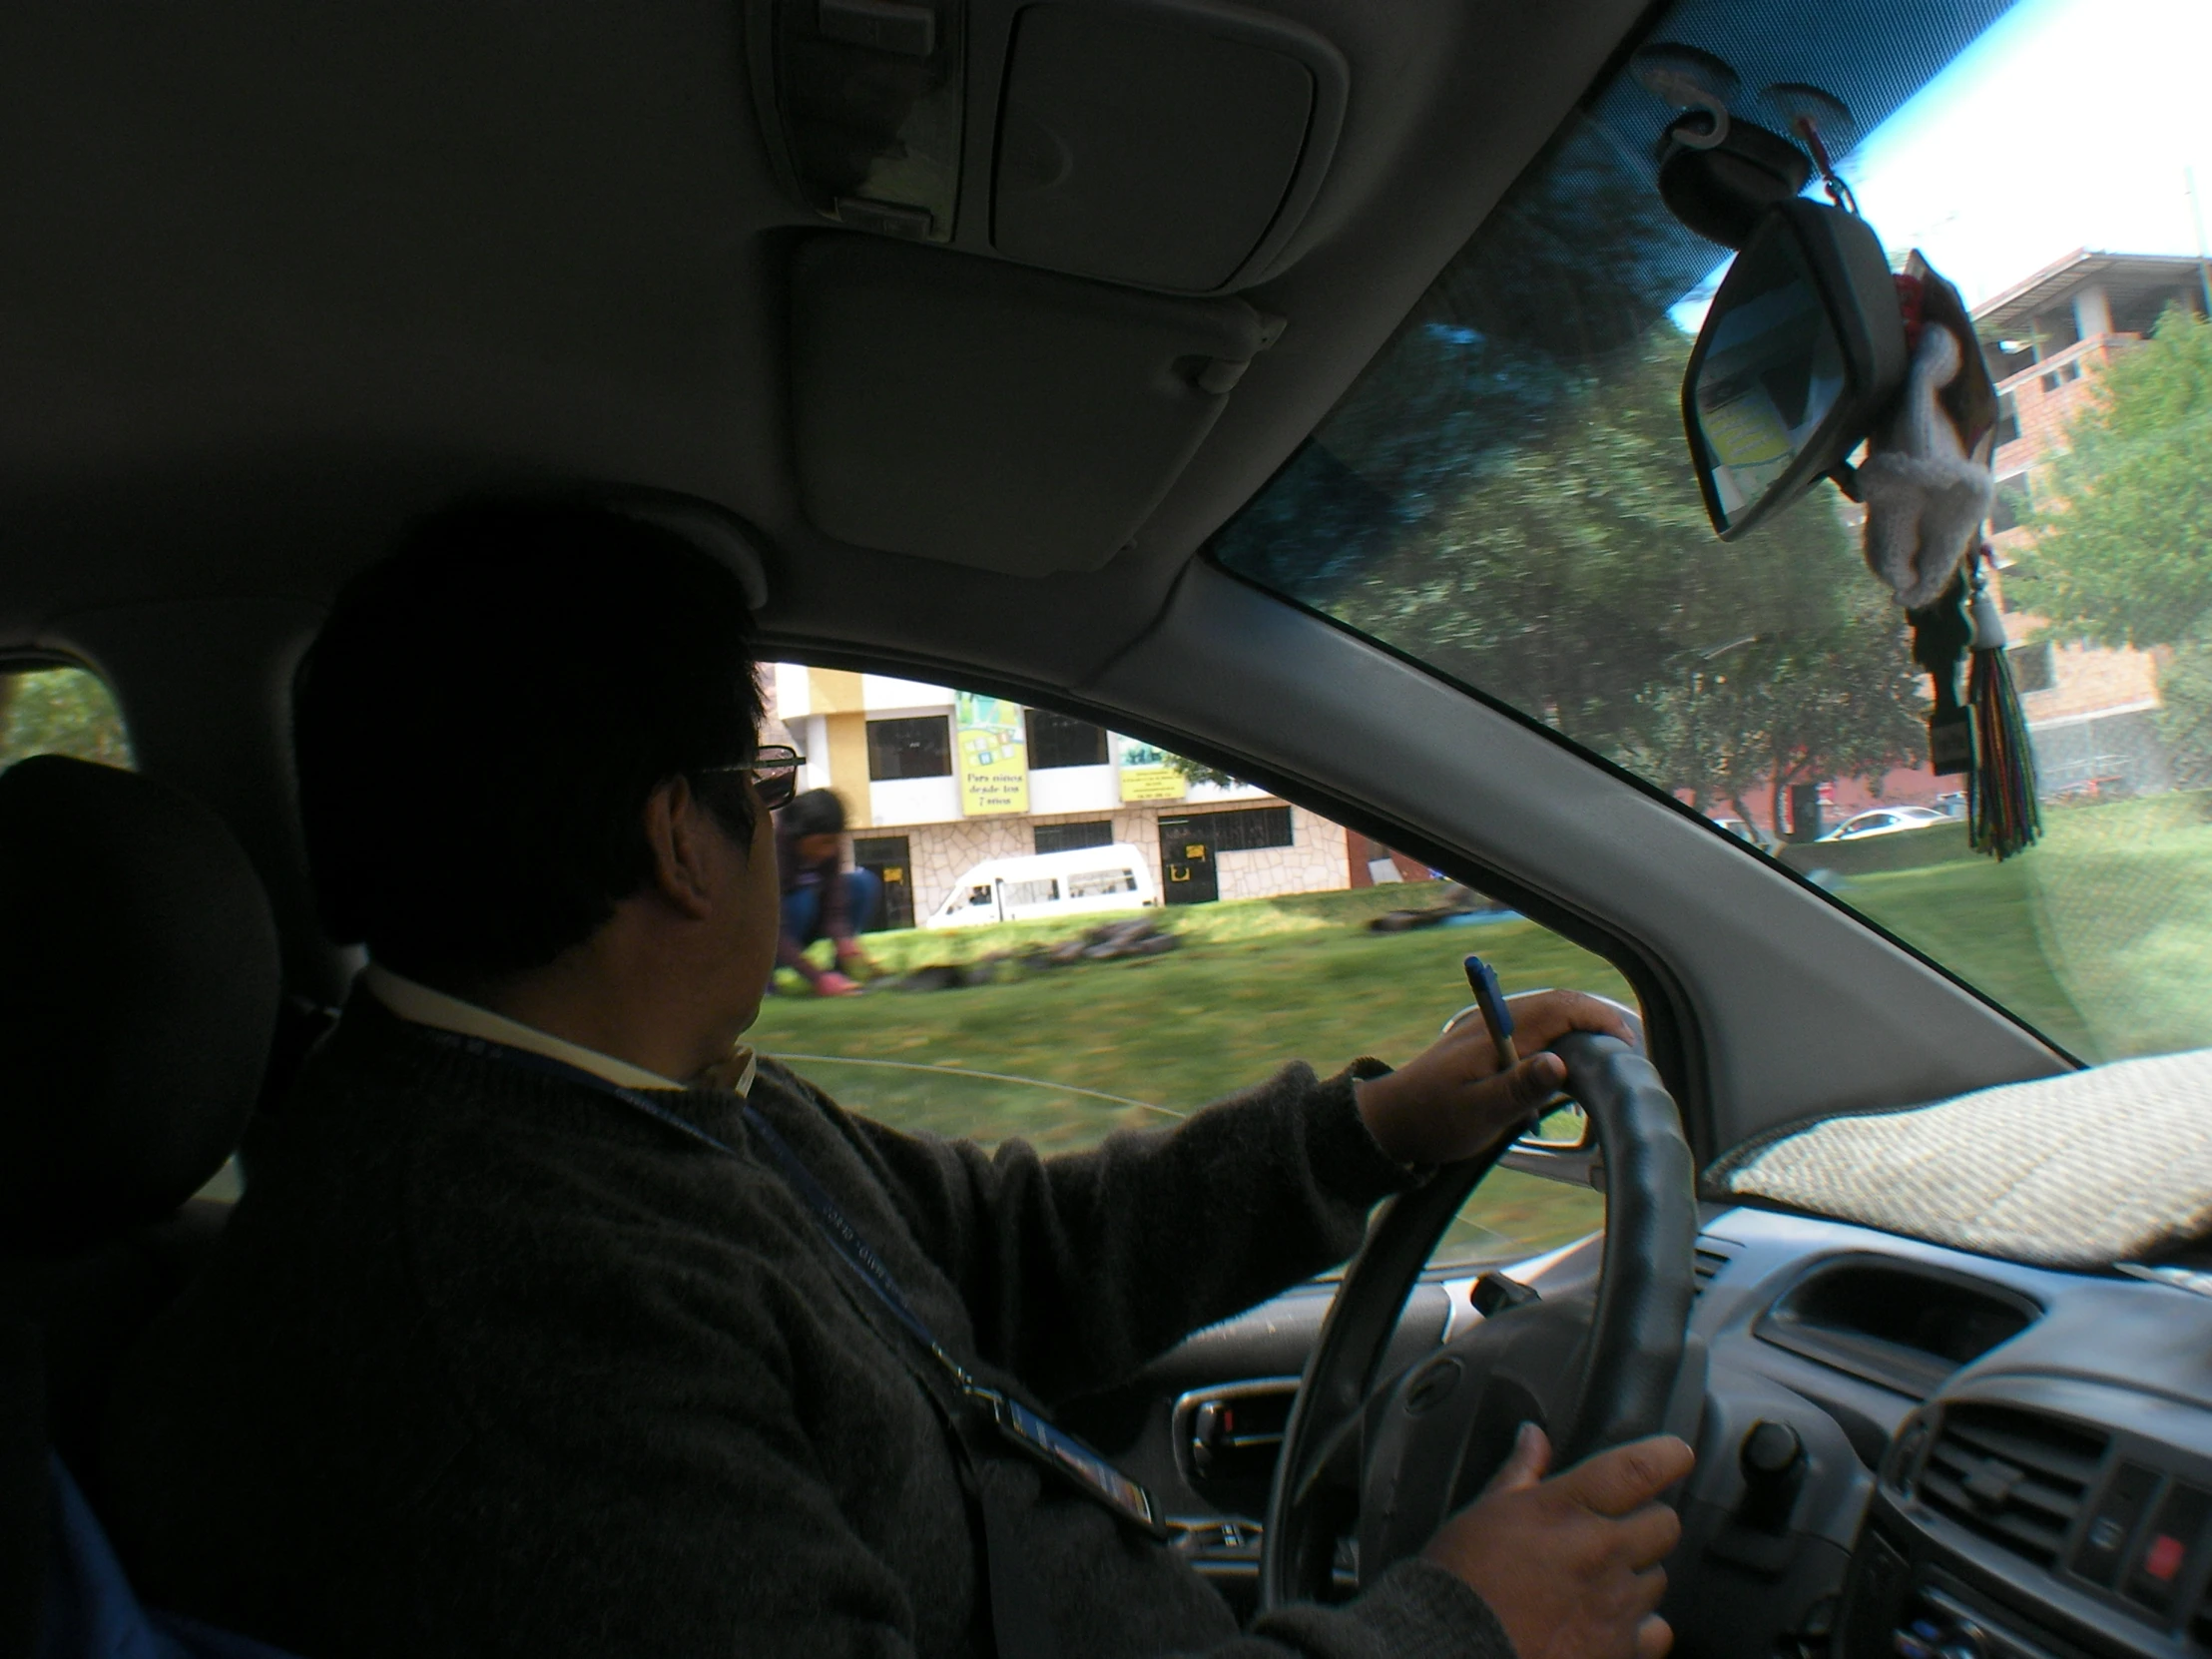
(1802, 352)
(1564, 1127)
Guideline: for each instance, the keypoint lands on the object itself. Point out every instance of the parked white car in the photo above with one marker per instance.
(1886, 821)
(1111, 878)
(1744, 831)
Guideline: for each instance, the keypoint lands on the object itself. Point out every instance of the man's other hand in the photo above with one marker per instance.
(1570, 1565)
(1453, 1101)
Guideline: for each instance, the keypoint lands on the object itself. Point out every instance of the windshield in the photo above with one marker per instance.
(1506, 493)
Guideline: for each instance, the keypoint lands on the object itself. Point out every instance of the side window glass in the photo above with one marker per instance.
(49, 710)
(1063, 932)
(60, 711)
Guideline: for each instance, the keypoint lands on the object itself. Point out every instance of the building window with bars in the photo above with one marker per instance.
(1063, 740)
(1072, 837)
(2033, 668)
(917, 748)
(2009, 418)
(1250, 828)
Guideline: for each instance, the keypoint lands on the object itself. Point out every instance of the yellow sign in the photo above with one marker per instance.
(1145, 772)
(994, 756)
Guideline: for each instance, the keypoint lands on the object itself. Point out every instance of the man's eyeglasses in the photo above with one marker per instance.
(772, 772)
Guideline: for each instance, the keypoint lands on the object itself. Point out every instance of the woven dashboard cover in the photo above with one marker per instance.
(2112, 1164)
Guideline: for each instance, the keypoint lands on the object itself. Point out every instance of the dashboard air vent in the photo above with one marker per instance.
(1904, 1325)
(2013, 1477)
(1712, 1256)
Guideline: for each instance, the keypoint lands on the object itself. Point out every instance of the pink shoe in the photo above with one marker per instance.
(832, 983)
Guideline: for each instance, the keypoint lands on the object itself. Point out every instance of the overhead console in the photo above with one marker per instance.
(1171, 146)
(1167, 143)
(1023, 326)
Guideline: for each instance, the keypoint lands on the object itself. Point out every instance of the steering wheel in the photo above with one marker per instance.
(1390, 1463)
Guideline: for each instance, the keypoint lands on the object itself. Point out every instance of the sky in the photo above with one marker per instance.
(2067, 125)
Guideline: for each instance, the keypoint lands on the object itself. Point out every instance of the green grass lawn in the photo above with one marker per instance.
(1257, 983)
(2100, 936)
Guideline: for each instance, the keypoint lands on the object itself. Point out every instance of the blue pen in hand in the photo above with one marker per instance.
(1482, 980)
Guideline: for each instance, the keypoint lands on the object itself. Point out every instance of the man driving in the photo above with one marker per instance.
(554, 1322)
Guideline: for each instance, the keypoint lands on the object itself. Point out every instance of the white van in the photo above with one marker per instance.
(1112, 878)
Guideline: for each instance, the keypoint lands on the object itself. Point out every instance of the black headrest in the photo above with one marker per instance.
(139, 986)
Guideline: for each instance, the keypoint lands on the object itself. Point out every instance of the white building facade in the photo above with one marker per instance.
(934, 781)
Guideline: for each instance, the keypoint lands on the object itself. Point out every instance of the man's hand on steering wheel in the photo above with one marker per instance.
(1570, 1565)
(1453, 1101)
(1375, 1456)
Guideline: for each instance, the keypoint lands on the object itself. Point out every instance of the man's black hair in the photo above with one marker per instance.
(483, 717)
(817, 812)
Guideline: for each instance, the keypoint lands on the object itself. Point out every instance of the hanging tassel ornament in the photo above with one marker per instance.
(1927, 488)
(2002, 816)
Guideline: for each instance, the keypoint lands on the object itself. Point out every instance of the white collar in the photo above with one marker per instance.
(425, 1006)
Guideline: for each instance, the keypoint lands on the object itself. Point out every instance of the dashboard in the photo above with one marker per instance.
(1905, 1452)
(1917, 1454)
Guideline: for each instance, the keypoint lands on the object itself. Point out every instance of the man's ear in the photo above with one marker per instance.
(683, 835)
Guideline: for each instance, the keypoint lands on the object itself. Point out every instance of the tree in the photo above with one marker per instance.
(1794, 708)
(2185, 722)
(1507, 495)
(1577, 575)
(1198, 771)
(2122, 554)
(59, 711)
(2123, 537)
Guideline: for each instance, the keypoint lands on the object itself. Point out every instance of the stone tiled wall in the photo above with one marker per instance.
(1313, 862)
(943, 852)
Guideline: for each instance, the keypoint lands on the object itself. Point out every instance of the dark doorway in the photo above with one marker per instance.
(1187, 873)
(889, 858)
(1805, 811)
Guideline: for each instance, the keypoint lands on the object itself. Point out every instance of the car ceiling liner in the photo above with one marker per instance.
(1813, 351)
(715, 531)
(1023, 327)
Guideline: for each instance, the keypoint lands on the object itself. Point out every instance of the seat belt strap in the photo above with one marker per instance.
(1021, 1624)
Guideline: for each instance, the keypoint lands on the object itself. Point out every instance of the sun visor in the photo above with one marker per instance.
(979, 413)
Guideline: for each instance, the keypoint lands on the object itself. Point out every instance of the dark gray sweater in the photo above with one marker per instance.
(489, 1364)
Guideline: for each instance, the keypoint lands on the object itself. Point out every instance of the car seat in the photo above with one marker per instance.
(138, 993)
